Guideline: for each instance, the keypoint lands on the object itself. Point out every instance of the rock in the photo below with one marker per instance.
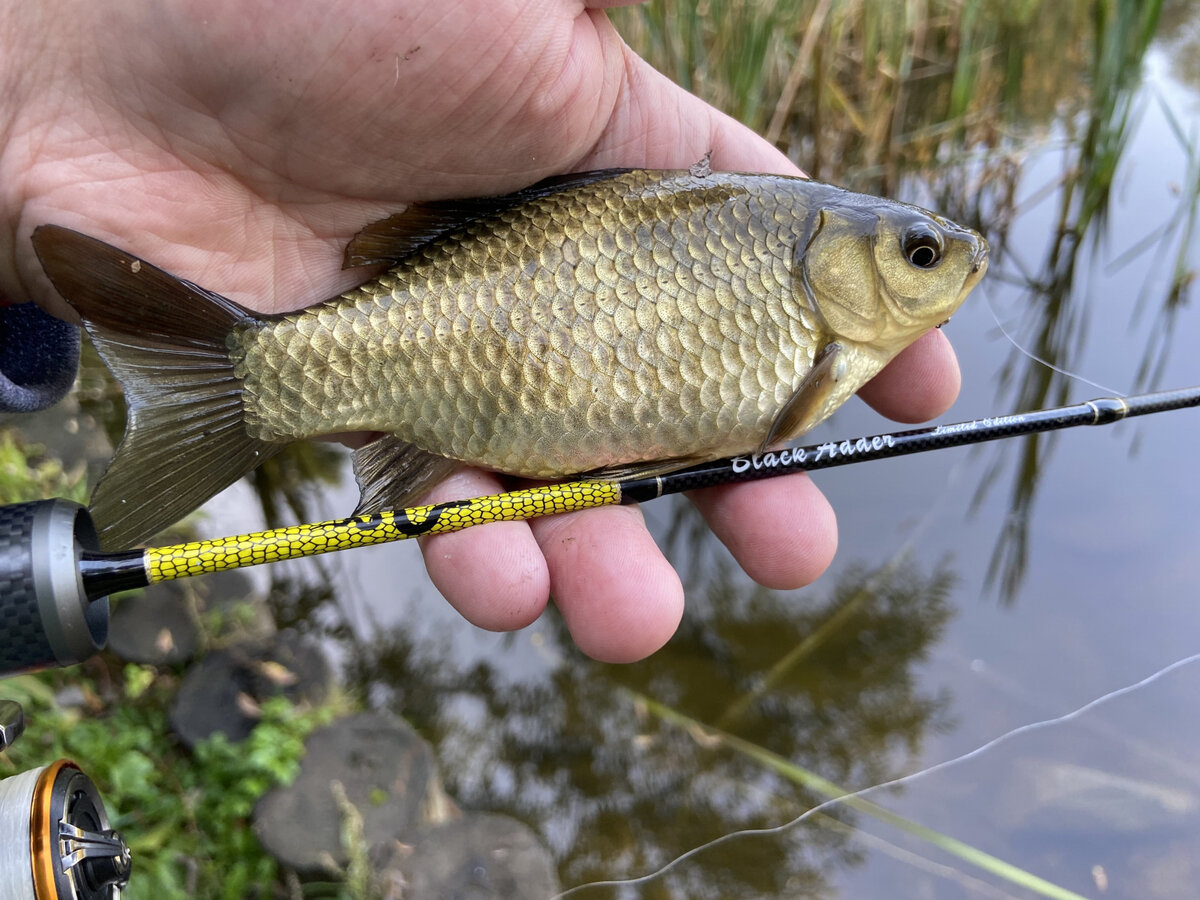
(481, 856)
(223, 691)
(71, 697)
(155, 627)
(387, 772)
(207, 700)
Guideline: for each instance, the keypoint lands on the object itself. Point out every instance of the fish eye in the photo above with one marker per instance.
(922, 246)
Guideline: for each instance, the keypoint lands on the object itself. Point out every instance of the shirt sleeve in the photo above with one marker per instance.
(38, 358)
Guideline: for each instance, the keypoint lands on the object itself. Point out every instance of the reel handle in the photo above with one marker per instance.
(12, 723)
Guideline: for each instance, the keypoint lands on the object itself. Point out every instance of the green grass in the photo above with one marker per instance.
(858, 91)
(29, 472)
(185, 815)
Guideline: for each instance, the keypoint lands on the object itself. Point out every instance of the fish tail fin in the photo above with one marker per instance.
(166, 342)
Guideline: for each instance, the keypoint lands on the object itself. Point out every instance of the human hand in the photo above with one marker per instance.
(240, 144)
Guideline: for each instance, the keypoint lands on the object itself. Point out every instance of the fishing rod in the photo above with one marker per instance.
(54, 579)
(55, 582)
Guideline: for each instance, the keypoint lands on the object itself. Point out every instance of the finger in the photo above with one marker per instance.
(782, 531)
(617, 593)
(919, 384)
(494, 575)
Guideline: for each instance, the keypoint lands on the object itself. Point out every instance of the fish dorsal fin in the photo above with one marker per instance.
(809, 404)
(398, 236)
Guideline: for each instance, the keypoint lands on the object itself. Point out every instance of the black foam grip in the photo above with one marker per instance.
(23, 642)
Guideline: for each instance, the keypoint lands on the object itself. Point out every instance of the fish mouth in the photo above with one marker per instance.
(975, 243)
(979, 261)
(979, 265)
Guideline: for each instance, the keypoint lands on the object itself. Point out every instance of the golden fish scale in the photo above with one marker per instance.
(635, 319)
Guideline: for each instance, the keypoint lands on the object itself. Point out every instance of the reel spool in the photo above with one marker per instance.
(55, 839)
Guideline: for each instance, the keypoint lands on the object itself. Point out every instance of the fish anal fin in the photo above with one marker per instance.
(646, 469)
(813, 399)
(390, 240)
(393, 474)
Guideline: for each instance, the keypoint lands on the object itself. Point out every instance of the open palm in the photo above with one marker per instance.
(239, 144)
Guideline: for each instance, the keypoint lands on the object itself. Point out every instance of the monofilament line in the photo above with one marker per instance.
(1049, 365)
(895, 782)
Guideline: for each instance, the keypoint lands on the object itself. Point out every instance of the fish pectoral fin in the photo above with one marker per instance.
(393, 474)
(809, 404)
(647, 469)
(398, 236)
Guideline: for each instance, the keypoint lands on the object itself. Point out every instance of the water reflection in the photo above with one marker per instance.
(827, 683)
(293, 478)
(1180, 38)
(1056, 306)
(1172, 247)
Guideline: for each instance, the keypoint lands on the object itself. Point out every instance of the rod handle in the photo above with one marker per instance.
(46, 618)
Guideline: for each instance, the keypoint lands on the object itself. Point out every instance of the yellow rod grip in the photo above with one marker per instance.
(203, 557)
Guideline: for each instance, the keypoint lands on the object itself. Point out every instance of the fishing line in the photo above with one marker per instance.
(895, 782)
(1035, 698)
(1049, 365)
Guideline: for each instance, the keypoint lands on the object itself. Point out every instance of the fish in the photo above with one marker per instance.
(618, 322)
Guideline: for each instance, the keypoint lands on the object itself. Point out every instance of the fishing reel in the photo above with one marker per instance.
(55, 838)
